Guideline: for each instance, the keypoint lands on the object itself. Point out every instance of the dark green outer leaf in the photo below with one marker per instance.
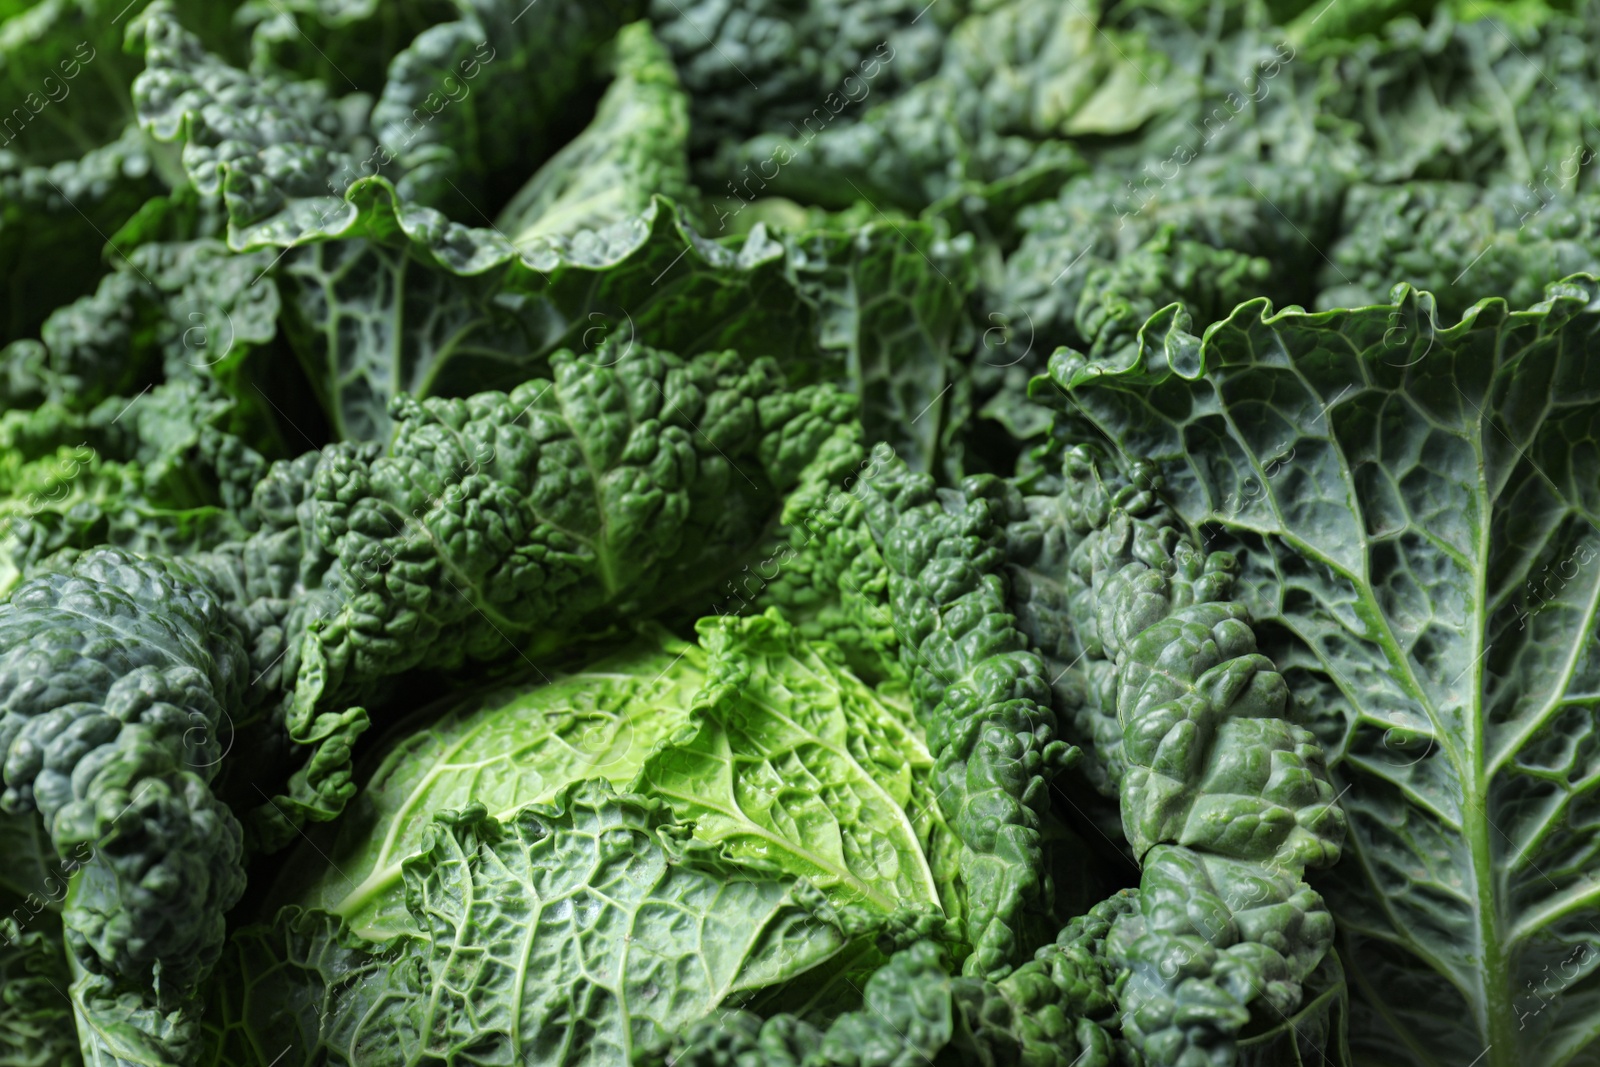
(472, 107)
(979, 691)
(398, 299)
(1224, 801)
(1460, 242)
(30, 860)
(345, 43)
(636, 146)
(66, 208)
(1057, 1010)
(1415, 514)
(65, 80)
(115, 682)
(769, 65)
(122, 1028)
(503, 513)
(890, 308)
(821, 566)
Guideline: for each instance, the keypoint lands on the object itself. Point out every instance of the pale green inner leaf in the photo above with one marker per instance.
(504, 750)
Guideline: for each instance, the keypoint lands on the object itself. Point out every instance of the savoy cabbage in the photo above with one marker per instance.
(799, 532)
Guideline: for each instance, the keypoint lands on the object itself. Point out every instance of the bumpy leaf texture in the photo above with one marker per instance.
(36, 1026)
(610, 482)
(73, 169)
(117, 678)
(979, 691)
(506, 748)
(499, 525)
(1224, 799)
(384, 294)
(117, 681)
(1414, 520)
(793, 761)
(71, 500)
(636, 147)
(575, 933)
(1057, 1010)
(403, 301)
(769, 65)
(1284, 151)
(1460, 241)
(821, 567)
(889, 305)
(475, 105)
(1014, 80)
